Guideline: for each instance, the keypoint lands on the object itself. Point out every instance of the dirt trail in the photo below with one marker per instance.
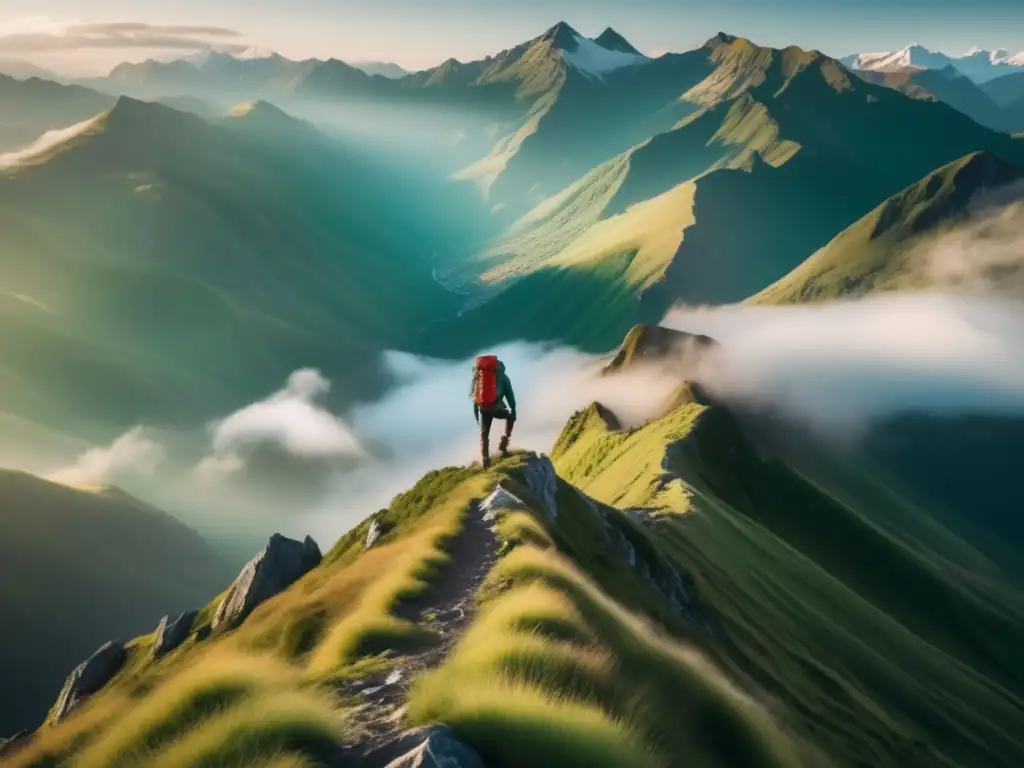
(446, 609)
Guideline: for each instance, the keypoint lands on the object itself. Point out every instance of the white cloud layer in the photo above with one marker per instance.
(842, 365)
(290, 419)
(45, 34)
(136, 452)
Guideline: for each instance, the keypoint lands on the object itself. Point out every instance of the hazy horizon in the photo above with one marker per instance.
(75, 39)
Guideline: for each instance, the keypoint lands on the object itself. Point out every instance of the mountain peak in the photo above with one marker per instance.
(562, 36)
(613, 41)
(721, 38)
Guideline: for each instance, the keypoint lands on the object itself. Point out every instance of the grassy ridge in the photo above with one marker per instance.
(883, 652)
(553, 672)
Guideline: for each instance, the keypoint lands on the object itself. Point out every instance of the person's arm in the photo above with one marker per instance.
(510, 396)
(472, 396)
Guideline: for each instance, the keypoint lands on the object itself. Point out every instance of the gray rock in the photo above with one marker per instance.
(171, 634)
(623, 544)
(378, 528)
(542, 482)
(89, 677)
(498, 500)
(439, 749)
(281, 564)
(373, 534)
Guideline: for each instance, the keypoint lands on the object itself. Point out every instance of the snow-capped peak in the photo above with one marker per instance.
(255, 52)
(595, 61)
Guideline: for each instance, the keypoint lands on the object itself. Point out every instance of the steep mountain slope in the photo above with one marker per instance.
(888, 249)
(867, 658)
(785, 149)
(284, 247)
(81, 566)
(761, 610)
(949, 86)
(31, 107)
(534, 564)
(1006, 89)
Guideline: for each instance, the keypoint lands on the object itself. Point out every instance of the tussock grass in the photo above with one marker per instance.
(550, 647)
(514, 724)
(226, 710)
(290, 721)
(411, 563)
(519, 527)
(178, 705)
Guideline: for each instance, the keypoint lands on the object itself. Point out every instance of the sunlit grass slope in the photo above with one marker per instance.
(898, 245)
(885, 636)
(555, 673)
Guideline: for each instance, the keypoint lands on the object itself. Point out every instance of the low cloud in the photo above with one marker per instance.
(289, 419)
(841, 366)
(44, 35)
(426, 421)
(44, 144)
(983, 254)
(136, 452)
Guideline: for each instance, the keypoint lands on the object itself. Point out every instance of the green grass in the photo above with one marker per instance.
(430, 516)
(855, 610)
(888, 249)
(584, 682)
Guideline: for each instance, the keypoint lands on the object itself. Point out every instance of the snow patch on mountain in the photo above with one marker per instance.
(595, 61)
(979, 64)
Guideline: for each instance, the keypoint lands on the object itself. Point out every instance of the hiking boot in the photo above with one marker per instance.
(485, 462)
(503, 446)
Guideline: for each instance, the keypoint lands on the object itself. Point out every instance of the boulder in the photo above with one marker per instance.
(378, 527)
(542, 482)
(281, 564)
(498, 500)
(439, 749)
(171, 634)
(89, 677)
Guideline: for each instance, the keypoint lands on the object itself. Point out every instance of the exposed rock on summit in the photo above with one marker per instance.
(170, 634)
(89, 677)
(281, 564)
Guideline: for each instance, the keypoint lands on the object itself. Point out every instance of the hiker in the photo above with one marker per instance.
(490, 386)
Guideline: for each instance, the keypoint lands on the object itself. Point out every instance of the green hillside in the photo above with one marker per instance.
(674, 596)
(159, 268)
(950, 87)
(80, 568)
(33, 106)
(886, 249)
(785, 150)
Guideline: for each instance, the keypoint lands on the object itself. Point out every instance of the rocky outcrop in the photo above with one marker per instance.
(651, 566)
(499, 499)
(170, 634)
(89, 677)
(281, 564)
(542, 482)
(378, 528)
(438, 749)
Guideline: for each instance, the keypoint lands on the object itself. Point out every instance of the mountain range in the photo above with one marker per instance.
(978, 64)
(711, 585)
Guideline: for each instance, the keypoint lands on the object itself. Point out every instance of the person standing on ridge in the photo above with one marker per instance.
(490, 386)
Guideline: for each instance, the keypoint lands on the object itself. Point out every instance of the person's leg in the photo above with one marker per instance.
(485, 438)
(503, 443)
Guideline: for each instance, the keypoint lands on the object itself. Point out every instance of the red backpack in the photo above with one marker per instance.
(486, 392)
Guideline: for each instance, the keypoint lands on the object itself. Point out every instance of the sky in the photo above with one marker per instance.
(88, 37)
